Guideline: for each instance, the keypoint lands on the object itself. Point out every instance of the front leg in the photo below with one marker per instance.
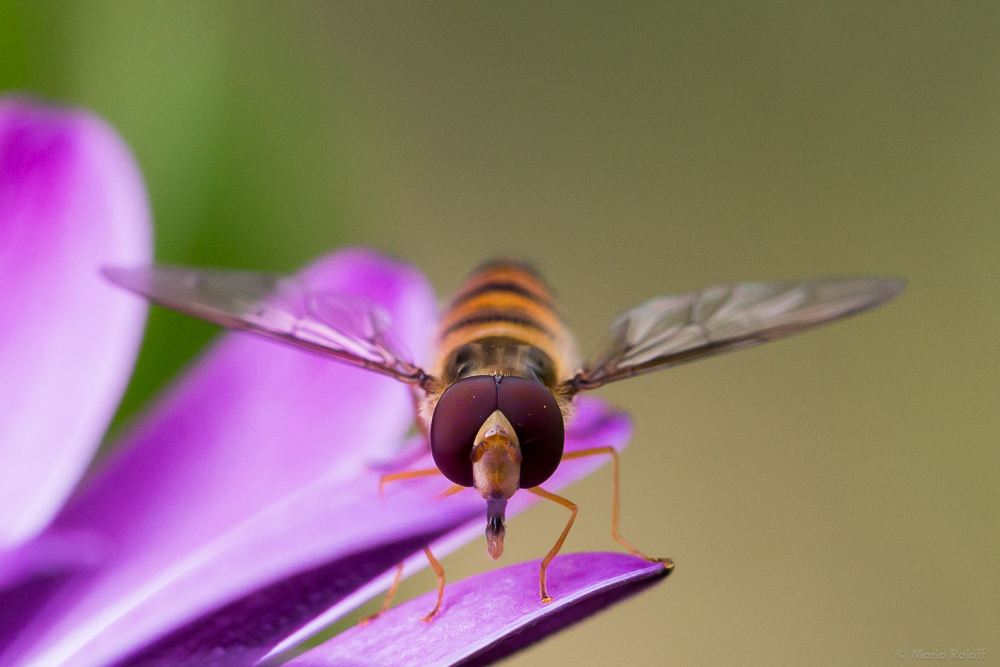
(613, 453)
(407, 474)
(542, 493)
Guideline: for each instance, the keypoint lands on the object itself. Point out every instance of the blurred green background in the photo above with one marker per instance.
(829, 499)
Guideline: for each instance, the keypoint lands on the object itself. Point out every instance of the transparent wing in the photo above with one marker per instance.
(337, 325)
(674, 329)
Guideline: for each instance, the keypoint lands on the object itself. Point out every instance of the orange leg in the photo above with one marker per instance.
(388, 597)
(395, 584)
(542, 493)
(440, 573)
(407, 474)
(450, 491)
(393, 477)
(614, 500)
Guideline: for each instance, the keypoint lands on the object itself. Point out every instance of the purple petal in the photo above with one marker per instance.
(593, 425)
(71, 200)
(246, 429)
(30, 572)
(489, 616)
(233, 601)
(50, 553)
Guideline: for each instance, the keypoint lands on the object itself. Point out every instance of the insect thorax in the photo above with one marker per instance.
(489, 356)
(498, 355)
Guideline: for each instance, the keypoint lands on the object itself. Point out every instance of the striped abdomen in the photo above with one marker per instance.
(504, 319)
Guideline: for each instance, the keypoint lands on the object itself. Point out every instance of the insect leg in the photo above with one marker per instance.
(542, 493)
(392, 477)
(440, 574)
(450, 491)
(407, 474)
(613, 453)
(388, 597)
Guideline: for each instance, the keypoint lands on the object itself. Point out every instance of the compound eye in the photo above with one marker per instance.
(535, 415)
(459, 414)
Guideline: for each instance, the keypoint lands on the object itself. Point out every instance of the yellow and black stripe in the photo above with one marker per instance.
(508, 299)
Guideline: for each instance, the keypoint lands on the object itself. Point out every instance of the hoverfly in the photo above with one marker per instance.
(501, 385)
